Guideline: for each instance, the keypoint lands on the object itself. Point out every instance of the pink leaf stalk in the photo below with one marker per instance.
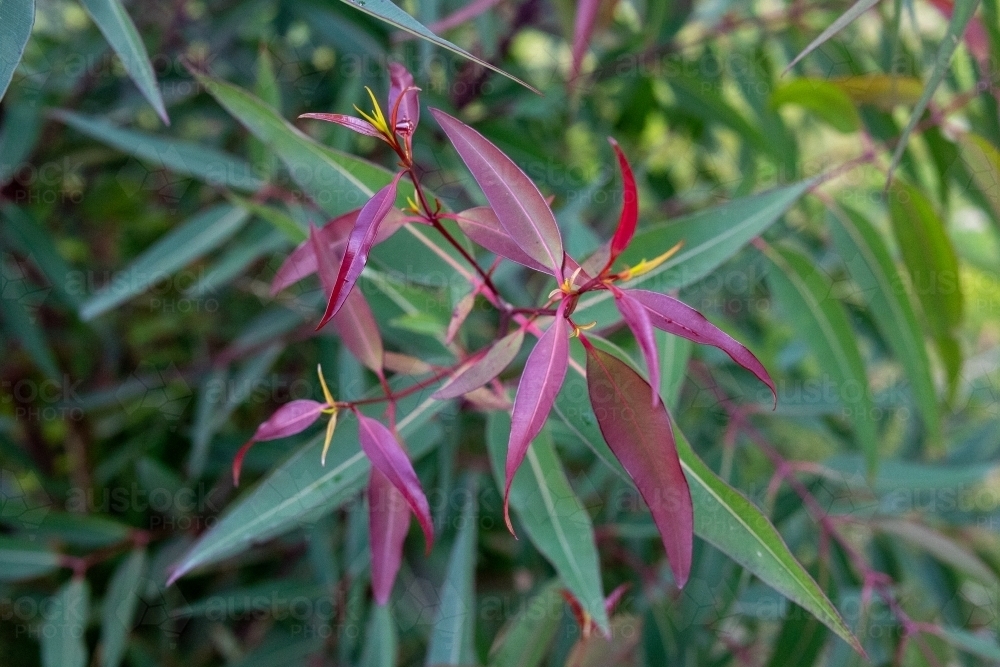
(359, 244)
(486, 367)
(387, 456)
(289, 419)
(678, 318)
(643, 441)
(388, 524)
(520, 207)
(637, 318)
(541, 380)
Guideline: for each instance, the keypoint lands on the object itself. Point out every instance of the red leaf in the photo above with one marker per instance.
(482, 226)
(387, 456)
(630, 206)
(642, 439)
(485, 368)
(586, 15)
(637, 318)
(520, 207)
(350, 122)
(540, 382)
(359, 332)
(680, 319)
(359, 243)
(404, 102)
(459, 314)
(291, 418)
(388, 524)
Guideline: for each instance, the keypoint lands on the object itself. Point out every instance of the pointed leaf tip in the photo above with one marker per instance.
(291, 418)
(540, 382)
(642, 439)
(630, 205)
(387, 456)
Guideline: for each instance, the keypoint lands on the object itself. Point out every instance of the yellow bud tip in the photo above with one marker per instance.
(330, 426)
(582, 327)
(646, 266)
(326, 390)
(377, 118)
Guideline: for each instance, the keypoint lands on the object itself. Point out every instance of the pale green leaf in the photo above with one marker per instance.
(16, 20)
(62, 635)
(24, 559)
(119, 606)
(842, 21)
(526, 638)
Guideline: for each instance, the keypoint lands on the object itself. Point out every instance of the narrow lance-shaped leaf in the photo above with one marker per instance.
(291, 418)
(386, 11)
(118, 608)
(359, 243)
(856, 10)
(355, 322)
(485, 368)
(678, 318)
(630, 205)
(116, 26)
(482, 226)
(643, 441)
(388, 523)
(637, 318)
(387, 456)
(350, 122)
(519, 206)
(459, 314)
(960, 17)
(63, 636)
(540, 382)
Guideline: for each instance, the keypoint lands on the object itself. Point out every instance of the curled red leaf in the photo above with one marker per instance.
(643, 441)
(630, 206)
(387, 456)
(359, 243)
(519, 206)
(486, 367)
(291, 418)
(388, 524)
(676, 317)
(404, 101)
(541, 380)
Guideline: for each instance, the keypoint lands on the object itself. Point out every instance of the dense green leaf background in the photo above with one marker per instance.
(831, 171)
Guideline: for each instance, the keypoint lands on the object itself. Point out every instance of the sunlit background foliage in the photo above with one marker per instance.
(142, 345)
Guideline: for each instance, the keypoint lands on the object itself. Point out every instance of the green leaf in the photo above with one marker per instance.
(17, 17)
(21, 559)
(181, 157)
(526, 638)
(119, 605)
(819, 319)
(62, 635)
(822, 98)
(983, 161)
(19, 303)
(842, 21)
(734, 525)
(118, 29)
(386, 11)
(198, 236)
(932, 263)
(454, 629)
(552, 515)
(280, 220)
(975, 644)
(870, 265)
(88, 531)
(961, 15)
(710, 238)
(381, 640)
(37, 244)
(883, 91)
(18, 136)
(674, 355)
(800, 641)
(299, 490)
(942, 547)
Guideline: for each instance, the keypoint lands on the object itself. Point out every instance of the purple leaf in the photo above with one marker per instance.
(459, 314)
(586, 16)
(540, 383)
(630, 205)
(387, 456)
(350, 122)
(637, 318)
(404, 102)
(482, 226)
(680, 319)
(388, 524)
(289, 419)
(520, 207)
(643, 441)
(359, 243)
(486, 367)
